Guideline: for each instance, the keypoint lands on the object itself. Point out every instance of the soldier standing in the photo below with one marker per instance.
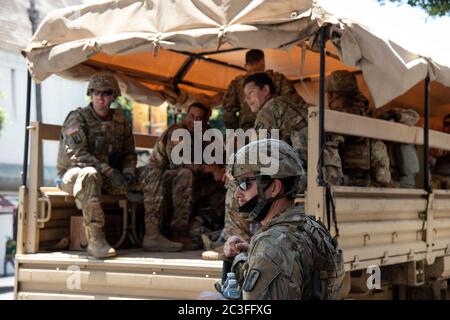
(167, 185)
(290, 255)
(96, 155)
(10, 253)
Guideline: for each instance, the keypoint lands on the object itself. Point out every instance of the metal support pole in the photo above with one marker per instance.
(27, 136)
(321, 104)
(426, 136)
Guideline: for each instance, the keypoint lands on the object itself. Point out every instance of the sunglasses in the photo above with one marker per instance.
(106, 93)
(244, 183)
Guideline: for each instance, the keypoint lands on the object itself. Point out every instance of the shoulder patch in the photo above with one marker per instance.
(71, 130)
(251, 279)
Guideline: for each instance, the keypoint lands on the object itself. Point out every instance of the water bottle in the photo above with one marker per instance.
(230, 276)
(232, 290)
(58, 182)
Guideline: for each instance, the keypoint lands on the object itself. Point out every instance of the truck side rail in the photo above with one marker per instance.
(381, 226)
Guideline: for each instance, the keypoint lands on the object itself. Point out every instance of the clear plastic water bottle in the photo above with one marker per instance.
(58, 182)
(230, 276)
(232, 290)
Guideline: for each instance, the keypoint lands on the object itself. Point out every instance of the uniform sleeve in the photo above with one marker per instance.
(265, 119)
(299, 137)
(77, 145)
(159, 158)
(266, 277)
(231, 106)
(286, 88)
(130, 157)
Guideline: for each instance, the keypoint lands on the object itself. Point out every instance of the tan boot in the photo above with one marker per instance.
(97, 245)
(188, 243)
(155, 241)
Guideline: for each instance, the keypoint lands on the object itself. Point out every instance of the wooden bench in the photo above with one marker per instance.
(55, 207)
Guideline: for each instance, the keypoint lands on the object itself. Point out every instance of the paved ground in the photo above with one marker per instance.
(6, 288)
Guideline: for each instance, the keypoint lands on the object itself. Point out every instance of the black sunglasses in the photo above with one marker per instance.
(244, 183)
(106, 93)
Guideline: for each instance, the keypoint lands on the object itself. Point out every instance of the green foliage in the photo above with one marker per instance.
(126, 105)
(216, 119)
(435, 8)
(2, 114)
(2, 119)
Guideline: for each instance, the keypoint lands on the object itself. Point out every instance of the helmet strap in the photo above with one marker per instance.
(258, 207)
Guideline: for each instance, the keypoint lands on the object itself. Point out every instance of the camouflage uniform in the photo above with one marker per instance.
(89, 149)
(358, 161)
(404, 159)
(440, 178)
(292, 253)
(281, 260)
(10, 253)
(181, 189)
(237, 113)
(291, 120)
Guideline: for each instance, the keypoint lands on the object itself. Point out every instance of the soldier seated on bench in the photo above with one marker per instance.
(96, 155)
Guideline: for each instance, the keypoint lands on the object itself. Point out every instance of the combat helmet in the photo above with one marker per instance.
(103, 81)
(342, 81)
(267, 159)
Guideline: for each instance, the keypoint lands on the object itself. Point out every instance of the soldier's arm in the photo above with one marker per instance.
(77, 145)
(265, 120)
(299, 137)
(266, 276)
(287, 89)
(231, 106)
(130, 158)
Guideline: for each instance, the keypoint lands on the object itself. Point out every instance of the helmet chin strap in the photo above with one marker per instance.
(258, 207)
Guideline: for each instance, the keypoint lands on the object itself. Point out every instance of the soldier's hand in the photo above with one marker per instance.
(118, 181)
(235, 245)
(130, 179)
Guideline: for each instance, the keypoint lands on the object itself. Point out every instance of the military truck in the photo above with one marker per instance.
(398, 236)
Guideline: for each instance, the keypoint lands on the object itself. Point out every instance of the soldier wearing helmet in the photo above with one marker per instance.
(96, 155)
(287, 256)
(358, 161)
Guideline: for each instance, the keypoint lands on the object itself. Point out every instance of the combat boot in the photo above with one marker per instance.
(188, 243)
(155, 241)
(97, 244)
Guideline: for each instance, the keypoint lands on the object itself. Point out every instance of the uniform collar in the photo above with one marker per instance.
(95, 115)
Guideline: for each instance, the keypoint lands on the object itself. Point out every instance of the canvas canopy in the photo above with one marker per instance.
(175, 49)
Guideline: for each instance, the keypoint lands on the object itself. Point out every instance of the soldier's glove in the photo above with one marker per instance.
(130, 179)
(118, 181)
(135, 197)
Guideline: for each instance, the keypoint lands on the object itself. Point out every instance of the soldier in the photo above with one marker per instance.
(440, 163)
(277, 112)
(237, 113)
(10, 253)
(272, 112)
(96, 155)
(404, 160)
(364, 161)
(181, 187)
(292, 256)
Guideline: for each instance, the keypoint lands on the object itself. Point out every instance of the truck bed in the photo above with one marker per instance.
(132, 274)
